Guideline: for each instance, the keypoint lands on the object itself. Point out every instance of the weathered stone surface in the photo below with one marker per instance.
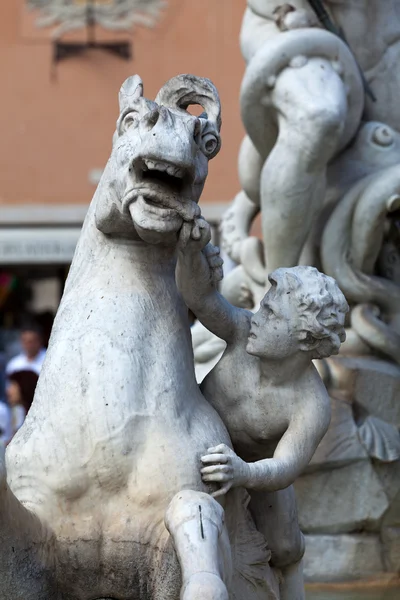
(340, 445)
(391, 548)
(375, 385)
(389, 476)
(342, 557)
(390, 533)
(342, 500)
(380, 439)
(377, 389)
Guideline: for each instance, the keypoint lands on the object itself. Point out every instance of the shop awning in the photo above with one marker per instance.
(37, 245)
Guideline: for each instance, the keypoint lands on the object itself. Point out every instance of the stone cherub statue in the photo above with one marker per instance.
(101, 494)
(320, 164)
(265, 387)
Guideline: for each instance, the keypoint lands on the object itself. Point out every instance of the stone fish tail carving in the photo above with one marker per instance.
(111, 447)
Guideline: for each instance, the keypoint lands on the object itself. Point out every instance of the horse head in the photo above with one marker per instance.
(159, 159)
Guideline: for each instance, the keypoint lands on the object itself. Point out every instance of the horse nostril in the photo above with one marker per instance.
(150, 119)
(197, 128)
(154, 115)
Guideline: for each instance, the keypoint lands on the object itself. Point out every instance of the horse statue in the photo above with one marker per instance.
(101, 493)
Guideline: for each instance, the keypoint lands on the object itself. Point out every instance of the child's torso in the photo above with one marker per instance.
(255, 413)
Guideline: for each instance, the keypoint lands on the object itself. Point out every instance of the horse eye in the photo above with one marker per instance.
(210, 144)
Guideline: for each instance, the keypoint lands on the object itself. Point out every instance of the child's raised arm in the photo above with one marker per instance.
(198, 269)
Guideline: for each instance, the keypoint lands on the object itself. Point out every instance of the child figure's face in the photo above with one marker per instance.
(271, 333)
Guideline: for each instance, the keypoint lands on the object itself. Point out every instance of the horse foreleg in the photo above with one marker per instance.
(25, 550)
(196, 523)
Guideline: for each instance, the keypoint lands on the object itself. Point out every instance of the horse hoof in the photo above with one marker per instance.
(205, 586)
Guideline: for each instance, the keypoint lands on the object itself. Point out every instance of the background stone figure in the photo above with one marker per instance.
(319, 164)
(317, 83)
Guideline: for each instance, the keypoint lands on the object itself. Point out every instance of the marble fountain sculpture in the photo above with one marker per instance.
(320, 167)
(123, 483)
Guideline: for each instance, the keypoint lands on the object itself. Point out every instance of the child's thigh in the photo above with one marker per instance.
(275, 515)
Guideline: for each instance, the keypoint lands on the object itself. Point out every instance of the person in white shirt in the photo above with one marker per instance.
(30, 359)
(32, 355)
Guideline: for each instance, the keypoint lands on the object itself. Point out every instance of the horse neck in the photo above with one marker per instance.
(99, 255)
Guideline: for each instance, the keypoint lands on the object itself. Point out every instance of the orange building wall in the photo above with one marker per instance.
(53, 132)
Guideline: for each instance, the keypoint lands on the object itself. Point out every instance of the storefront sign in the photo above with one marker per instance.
(37, 245)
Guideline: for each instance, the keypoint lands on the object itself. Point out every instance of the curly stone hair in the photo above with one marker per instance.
(321, 307)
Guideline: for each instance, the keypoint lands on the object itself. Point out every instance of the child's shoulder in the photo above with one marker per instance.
(312, 386)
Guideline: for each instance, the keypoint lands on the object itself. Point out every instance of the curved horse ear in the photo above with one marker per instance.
(130, 92)
(185, 90)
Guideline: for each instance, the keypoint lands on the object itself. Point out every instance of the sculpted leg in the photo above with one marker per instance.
(196, 523)
(25, 550)
(250, 164)
(275, 515)
(310, 100)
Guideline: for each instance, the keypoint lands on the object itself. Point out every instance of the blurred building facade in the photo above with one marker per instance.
(57, 121)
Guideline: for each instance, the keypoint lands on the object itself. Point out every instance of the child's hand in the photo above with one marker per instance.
(195, 235)
(225, 467)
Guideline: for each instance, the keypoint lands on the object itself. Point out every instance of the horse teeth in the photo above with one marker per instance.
(171, 170)
(162, 166)
(149, 164)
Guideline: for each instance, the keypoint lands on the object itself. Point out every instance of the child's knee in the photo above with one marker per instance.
(288, 551)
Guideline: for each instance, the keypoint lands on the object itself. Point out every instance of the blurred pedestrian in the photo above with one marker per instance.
(5, 424)
(32, 355)
(20, 392)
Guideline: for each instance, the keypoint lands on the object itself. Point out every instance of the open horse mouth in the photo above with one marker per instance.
(162, 190)
(153, 173)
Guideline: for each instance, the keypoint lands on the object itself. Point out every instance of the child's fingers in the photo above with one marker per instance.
(218, 274)
(214, 458)
(197, 212)
(220, 449)
(223, 490)
(211, 250)
(215, 261)
(184, 234)
(216, 476)
(203, 224)
(195, 234)
(216, 469)
(201, 231)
